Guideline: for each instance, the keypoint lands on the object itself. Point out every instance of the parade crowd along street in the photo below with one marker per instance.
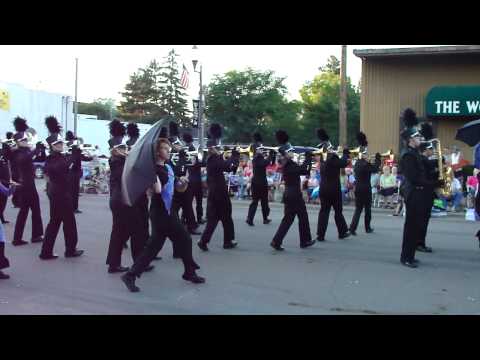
(154, 180)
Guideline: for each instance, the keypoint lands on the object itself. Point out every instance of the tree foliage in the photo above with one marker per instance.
(104, 109)
(321, 100)
(172, 96)
(248, 101)
(155, 91)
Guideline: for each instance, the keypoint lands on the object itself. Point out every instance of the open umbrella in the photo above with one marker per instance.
(469, 133)
(139, 170)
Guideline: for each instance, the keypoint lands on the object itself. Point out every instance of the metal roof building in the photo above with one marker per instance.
(442, 84)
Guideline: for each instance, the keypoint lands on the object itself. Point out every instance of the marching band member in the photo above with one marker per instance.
(57, 168)
(330, 190)
(27, 195)
(431, 174)
(4, 262)
(126, 220)
(76, 173)
(363, 188)
(182, 199)
(219, 206)
(294, 205)
(413, 189)
(141, 231)
(5, 176)
(195, 180)
(259, 182)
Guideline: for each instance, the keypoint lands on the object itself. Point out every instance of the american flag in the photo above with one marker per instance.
(184, 78)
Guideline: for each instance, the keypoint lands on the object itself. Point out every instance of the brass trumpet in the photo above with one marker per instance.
(242, 150)
(444, 173)
(192, 157)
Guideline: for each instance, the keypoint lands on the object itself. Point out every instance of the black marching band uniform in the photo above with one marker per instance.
(182, 199)
(5, 191)
(413, 189)
(57, 169)
(294, 205)
(363, 188)
(330, 189)
(142, 230)
(219, 206)
(259, 182)
(195, 180)
(164, 224)
(432, 174)
(5, 174)
(128, 222)
(26, 196)
(76, 173)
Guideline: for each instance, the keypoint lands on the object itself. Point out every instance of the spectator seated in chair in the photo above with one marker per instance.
(388, 184)
(456, 198)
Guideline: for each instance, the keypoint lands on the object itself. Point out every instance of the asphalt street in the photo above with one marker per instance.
(358, 275)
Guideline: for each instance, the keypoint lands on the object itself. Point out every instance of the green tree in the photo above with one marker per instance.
(332, 66)
(171, 95)
(142, 96)
(104, 109)
(248, 101)
(321, 106)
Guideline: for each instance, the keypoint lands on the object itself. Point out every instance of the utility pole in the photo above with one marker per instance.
(76, 99)
(200, 112)
(342, 119)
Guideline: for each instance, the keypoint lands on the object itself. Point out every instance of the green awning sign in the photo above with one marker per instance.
(453, 101)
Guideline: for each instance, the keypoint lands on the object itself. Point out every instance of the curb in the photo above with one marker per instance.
(345, 207)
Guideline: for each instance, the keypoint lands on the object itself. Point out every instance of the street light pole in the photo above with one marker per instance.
(201, 126)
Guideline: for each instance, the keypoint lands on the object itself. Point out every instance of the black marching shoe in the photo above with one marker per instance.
(230, 245)
(77, 211)
(129, 281)
(149, 268)
(48, 256)
(266, 221)
(425, 249)
(117, 269)
(415, 261)
(410, 264)
(276, 246)
(353, 232)
(4, 222)
(19, 243)
(320, 239)
(4, 276)
(307, 244)
(37, 239)
(194, 278)
(76, 253)
(202, 221)
(156, 258)
(202, 246)
(249, 222)
(344, 236)
(369, 230)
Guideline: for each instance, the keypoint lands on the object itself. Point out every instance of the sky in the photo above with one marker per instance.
(104, 70)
